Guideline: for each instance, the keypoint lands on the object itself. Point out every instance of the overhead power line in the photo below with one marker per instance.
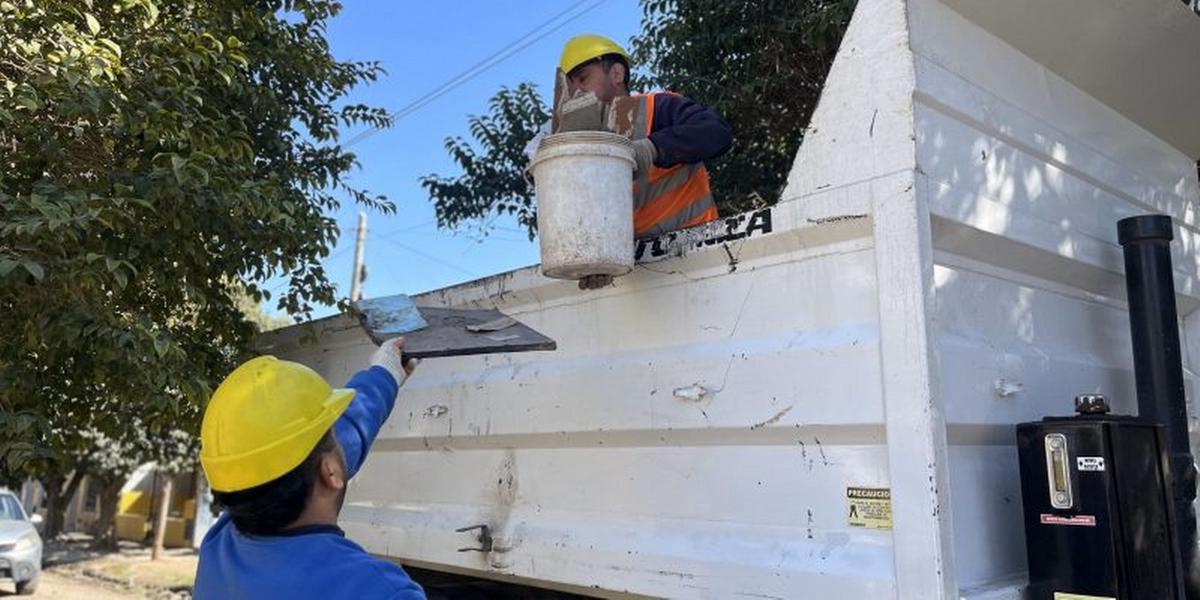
(428, 256)
(497, 57)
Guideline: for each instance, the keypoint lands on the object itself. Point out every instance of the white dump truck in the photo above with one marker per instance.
(818, 399)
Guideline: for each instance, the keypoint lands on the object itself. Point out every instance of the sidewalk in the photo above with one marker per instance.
(128, 570)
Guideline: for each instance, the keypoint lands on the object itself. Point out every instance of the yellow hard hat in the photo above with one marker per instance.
(583, 48)
(263, 420)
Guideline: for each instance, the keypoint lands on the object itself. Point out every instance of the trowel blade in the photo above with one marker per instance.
(388, 317)
(437, 332)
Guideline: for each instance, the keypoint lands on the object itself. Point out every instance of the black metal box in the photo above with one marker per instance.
(1098, 514)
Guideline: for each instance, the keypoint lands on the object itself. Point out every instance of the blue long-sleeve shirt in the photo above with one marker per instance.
(317, 561)
(685, 131)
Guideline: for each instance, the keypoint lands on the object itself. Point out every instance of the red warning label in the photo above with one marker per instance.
(1077, 520)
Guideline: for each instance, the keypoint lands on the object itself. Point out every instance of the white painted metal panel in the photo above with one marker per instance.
(693, 436)
(1137, 57)
(1027, 175)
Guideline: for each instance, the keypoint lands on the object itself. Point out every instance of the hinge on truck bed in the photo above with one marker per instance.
(484, 538)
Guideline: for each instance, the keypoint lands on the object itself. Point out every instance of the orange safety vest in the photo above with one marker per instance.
(672, 198)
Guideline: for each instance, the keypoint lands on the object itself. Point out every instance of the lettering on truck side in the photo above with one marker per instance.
(730, 229)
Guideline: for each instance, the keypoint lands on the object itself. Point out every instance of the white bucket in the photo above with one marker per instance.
(585, 204)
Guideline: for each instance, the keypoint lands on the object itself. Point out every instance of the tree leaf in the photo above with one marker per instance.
(160, 346)
(34, 269)
(92, 24)
(111, 45)
(178, 164)
(152, 11)
(141, 202)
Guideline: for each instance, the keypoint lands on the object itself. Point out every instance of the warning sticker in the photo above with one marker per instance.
(1090, 463)
(1077, 520)
(869, 507)
(1069, 596)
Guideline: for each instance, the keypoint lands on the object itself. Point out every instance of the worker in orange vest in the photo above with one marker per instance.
(672, 136)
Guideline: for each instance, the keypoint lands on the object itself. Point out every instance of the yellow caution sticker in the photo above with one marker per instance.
(1070, 596)
(869, 507)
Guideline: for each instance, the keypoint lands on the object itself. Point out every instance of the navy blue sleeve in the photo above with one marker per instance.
(685, 131)
(375, 395)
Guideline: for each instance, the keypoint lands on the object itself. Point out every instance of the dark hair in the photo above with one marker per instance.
(606, 61)
(266, 509)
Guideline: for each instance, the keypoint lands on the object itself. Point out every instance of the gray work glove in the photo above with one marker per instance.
(644, 154)
(581, 112)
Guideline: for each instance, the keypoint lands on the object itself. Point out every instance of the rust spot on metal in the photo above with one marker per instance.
(775, 419)
(824, 460)
(837, 219)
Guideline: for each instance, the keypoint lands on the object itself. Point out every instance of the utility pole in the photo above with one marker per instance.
(160, 518)
(359, 242)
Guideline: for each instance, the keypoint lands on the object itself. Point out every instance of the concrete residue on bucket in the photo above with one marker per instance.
(584, 185)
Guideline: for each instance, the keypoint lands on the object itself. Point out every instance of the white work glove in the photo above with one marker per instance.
(532, 147)
(390, 356)
(644, 154)
(531, 151)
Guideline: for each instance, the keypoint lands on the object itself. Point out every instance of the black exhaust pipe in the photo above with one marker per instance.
(1158, 366)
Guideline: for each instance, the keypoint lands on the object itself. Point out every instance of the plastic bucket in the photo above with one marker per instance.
(584, 185)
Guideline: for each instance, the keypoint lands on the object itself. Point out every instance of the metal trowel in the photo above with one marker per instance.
(435, 332)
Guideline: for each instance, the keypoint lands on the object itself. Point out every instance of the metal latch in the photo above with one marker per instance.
(1058, 471)
(484, 538)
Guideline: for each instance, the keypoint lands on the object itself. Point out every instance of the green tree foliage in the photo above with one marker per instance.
(154, 155)
(760, 64)
(254, 312)
(493, 177)
(110, 461)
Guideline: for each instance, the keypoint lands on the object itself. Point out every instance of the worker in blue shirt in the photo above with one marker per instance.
(278, 446)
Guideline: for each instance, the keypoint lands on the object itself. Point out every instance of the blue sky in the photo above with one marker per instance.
(422, 45)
